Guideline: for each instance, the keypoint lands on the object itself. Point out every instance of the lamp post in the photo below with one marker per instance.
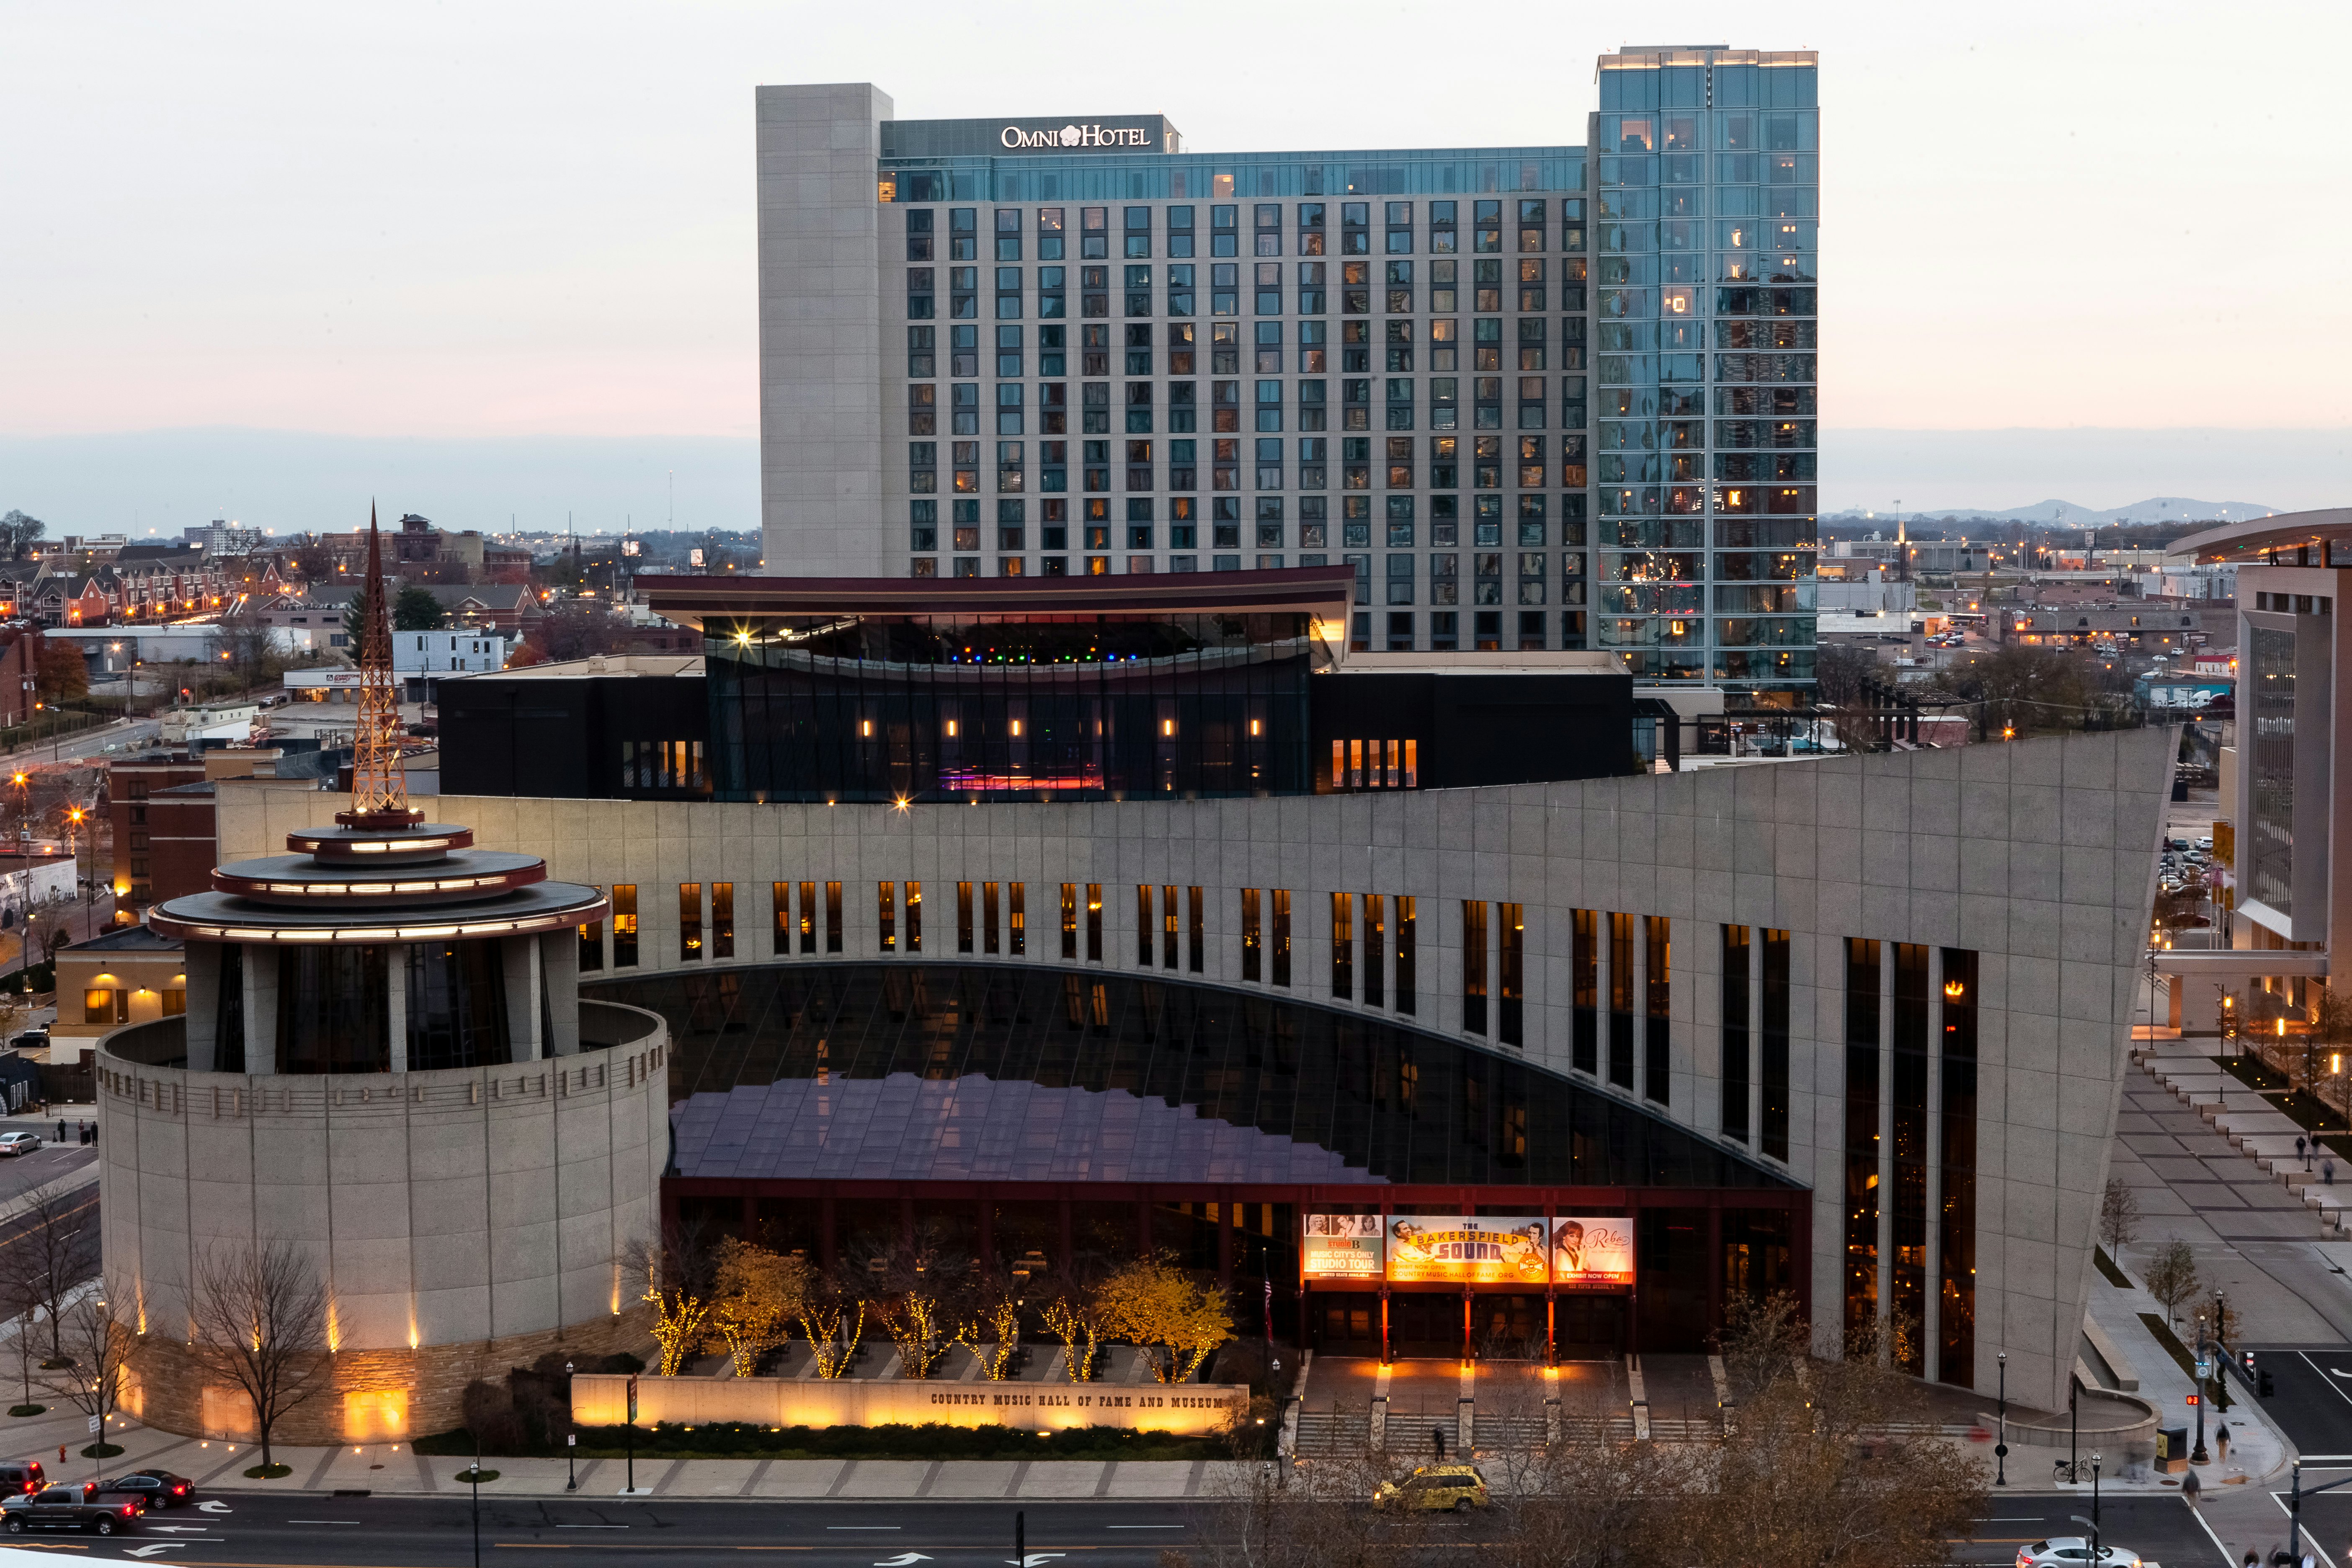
(571, 1438)
(2001, 1448)
(2198, 1456)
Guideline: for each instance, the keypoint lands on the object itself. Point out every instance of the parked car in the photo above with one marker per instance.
(162, 1488)
(69, 1508)
(31, 1040)
(14, 1143)
(1457, 1487)
(2074, 1551)
(20, 1476)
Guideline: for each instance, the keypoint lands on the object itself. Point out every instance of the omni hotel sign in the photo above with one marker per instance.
(1076, 136)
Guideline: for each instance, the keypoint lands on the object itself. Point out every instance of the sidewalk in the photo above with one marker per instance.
(2264, 1135)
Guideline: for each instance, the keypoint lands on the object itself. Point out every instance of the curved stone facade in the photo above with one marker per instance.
(464, 1219)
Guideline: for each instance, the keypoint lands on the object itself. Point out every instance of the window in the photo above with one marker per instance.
(1957, 1151)
(1069, 920)
(922, 352)
(1862, 1147)
(886, 904)
(625, 925)
(833, 924)
(1656, 947)
(1016, 918)
(1775, 1063)
(1621, 1000)
(914, 906)
(1733, 1074)
(1279, 939)
(1375, 948)
(1252, 943)
(1343, 946)
(780, 907)
(808, 917)
(963, 917)
(723, 920)
(1143, 924)
(1407, 995)
(1094, 922)
(1196, 956)
(1474, 966)
(1511, 973)
(592, 945)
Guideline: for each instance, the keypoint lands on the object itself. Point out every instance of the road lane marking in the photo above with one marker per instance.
(2324, 1382)
(1143, 1527)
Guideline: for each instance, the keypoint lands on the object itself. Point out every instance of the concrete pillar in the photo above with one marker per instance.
(204, 964)
(559, 968)
(260, 965)
(395, 992)
(520, 962)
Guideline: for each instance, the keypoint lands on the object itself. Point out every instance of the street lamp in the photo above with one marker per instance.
(2198, 1456)
(571, 1439)
(2000, 1449)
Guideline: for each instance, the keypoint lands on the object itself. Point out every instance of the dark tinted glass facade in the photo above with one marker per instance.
(945, 708)
(1388, 1104)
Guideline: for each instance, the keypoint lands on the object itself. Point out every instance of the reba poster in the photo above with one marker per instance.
(1592, 1254)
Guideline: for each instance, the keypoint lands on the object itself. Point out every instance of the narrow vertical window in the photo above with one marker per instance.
(1774, 1126)
(885, 910)
(1197, 957)
(1376, 949)
(1069, 920)
(1908, 1275)
(1094, 922)
(1733, 1070)
(1657, 944)
(1621, 1001)
(1343, 946)
(1143, 924)
(1408, 998)
(723, 920)
(914, 917)
(1253, 947)
(1017, 932)
(833, 932)
(1474, 966)
(1511, 973)
(1279, 938)
(592, 945)
(780, 913)
(1169, 925)
(625, 925)
(1956, 1318)
(1861, 990)
(988, 922)
(963, 917)
(808, 917)
(689, 920)
(1584, 995)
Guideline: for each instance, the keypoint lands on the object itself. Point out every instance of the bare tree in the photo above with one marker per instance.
(2118, 1218)
(89, 1376)
(2171, 1277)
(50, 1253)
(261, 1321)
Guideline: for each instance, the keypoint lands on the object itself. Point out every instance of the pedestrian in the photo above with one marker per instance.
(2300, 1153)
(2252, 1561)
(2191, 1488)
(61, 1129)
(2327, 1172)
(1437, 1442)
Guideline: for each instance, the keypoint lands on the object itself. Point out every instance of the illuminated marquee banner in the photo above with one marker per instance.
(1342, 1246)
(1592, 1254)
(1483, 1250)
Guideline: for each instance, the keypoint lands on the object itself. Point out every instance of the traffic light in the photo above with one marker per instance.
(2263, 1383)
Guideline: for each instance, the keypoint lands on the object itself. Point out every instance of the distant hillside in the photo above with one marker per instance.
(2068, 514)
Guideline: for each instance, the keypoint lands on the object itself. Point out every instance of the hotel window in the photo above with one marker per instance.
(1376, 944)
(625, 925)
(963, 351)
(886, 904)
(1279, 938)
(1343, 946)
(1197, 946)
(1094, 294)
(1733, 1110)
(1093, 233)
(1956, 1267)
(1407, 931)
(1774, 1061)
(1016, 935)
(963, 234)
(780, 909)
(1138, 303)
(1180, 300)
(1310, 228)
(921, 293)
(1168, 927)
(1656, 957)
(1312, 301)
(1355, 229)
(1049, 234)
(723, 920)
(923, 356)
(1053, 294)
(1862, 1100)
(1223, 226)
(1399, 238)
(808, 917)
(1621, 1000)
(1180, 238)
(1139, 231)
(918, 235)
(1143, 924)
(1094, 922)
(923, 525)
(591, 945)
(988, 921)
(1512, 972)
(963, 293)
(833, 932)
(1008, 233)
(689, 920)
(1474, 966)
(1252, 942)
(1487, 220)
(1909, 1280)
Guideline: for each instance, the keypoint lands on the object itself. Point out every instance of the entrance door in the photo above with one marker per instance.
(1590, 1328)
(1509, 1328)
(1347, 1325)
(1425, 1325)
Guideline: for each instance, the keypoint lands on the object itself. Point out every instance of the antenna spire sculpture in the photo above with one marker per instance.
(379, 784)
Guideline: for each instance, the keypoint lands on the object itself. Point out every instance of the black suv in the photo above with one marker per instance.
(20, 1476)
(161, 1489)
(69, 1508)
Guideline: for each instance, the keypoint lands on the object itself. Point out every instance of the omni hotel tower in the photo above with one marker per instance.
(1549, 398)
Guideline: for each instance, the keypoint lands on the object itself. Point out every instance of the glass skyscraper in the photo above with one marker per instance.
(1050, 347)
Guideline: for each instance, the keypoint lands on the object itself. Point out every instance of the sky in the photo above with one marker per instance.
(484, 230)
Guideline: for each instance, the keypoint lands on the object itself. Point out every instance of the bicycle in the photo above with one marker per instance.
(2069, 1475)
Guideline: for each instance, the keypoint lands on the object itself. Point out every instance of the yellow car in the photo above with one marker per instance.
(1435, 1487)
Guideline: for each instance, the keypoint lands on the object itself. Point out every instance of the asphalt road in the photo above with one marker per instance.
(2163, 1530)
(234, 1529)
(2311, 1395)
(21, 1174)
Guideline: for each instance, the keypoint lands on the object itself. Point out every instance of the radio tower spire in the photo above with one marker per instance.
(379, 784)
